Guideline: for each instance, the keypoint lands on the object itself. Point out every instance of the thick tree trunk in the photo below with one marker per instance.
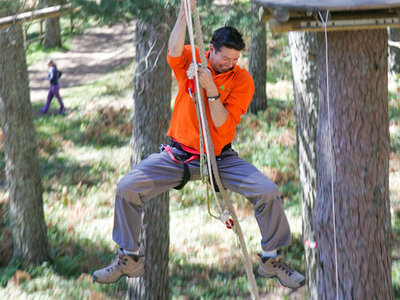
(53, 33)
(22, 165)
(358, 152)
(258, 65)
(303, 47)
(152, 112)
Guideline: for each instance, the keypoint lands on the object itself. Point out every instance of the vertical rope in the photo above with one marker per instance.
(199, 36)
(324, 21)
(210, 148)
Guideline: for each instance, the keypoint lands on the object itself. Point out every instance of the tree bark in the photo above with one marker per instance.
(258, 65)
(303, 47)
(53, 33)
(152, 112)
(358, 152)
(22, 165)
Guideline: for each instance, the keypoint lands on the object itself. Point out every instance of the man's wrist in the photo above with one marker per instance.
(213, 98)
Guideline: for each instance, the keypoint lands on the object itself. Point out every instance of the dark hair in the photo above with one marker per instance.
(51, 62)
(229, 37)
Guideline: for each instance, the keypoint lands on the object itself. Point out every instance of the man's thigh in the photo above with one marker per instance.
(152, 176)
(242, 177)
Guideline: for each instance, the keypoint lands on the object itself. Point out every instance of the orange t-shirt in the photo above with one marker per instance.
(236, 89)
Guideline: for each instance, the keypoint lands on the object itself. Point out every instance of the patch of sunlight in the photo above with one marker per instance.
(393, 82)
(205, 240)
(282, 90)
(117, 155)
(394, 128)
(394, 187)
(295, 221)
(52, 286)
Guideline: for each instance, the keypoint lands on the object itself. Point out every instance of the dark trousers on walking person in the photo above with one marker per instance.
(54, 90)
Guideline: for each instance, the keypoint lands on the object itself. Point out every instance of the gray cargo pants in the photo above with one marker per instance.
(159, 172)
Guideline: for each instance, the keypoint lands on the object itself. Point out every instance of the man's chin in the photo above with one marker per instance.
(225, 70)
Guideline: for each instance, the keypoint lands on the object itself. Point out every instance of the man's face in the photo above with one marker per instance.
(223, 60)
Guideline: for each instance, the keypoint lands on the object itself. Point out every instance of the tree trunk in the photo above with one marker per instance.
(394, 52)
(152, 112)
(22, 165)
(358, 152)
(258, 65)
(303, 47)
(53, 33)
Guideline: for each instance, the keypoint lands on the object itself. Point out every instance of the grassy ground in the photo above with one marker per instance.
(83, 155)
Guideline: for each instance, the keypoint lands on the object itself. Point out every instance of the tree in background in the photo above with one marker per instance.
(29, 232)
(303, 46)
(53, 30)
(152, 112)
(258, 64)
(151, 115)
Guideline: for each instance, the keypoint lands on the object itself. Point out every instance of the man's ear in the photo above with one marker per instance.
(212, 49)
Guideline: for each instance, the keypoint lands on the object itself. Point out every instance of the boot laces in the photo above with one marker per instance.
(281, 264)
(119, 260)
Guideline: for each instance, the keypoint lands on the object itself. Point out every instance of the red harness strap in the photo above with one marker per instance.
(186, 172)
(171, 154)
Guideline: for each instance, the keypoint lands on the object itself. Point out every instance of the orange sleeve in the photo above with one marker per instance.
(181, 63)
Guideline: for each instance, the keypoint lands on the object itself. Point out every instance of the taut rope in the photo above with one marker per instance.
(324, 21)
(212, 164)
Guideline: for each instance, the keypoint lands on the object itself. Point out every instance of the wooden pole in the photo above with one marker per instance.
(48, 12)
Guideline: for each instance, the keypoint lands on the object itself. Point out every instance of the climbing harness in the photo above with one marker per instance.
(183, 159)
(228, 215)
(324, 22)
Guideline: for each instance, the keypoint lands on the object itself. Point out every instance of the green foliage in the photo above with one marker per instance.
(240, 16)
(52, 2)
(113, 11)
(279, 64)
(212, 14)
(9, 7)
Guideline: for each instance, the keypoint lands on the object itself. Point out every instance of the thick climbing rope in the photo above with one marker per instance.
(324, 23)
(212, 164)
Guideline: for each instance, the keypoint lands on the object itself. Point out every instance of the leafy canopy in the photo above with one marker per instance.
(213, 14)
(112, 11)
(9, 7)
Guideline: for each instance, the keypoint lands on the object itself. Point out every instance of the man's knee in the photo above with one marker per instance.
(268, 192)
(127, 190)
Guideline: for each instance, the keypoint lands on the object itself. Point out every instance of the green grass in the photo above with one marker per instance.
(83, 155)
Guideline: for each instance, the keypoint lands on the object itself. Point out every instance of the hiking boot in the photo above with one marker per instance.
(123, 265)
(277, 267)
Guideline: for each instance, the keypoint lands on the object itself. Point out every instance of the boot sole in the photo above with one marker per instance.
(266, 275)
(135, 274)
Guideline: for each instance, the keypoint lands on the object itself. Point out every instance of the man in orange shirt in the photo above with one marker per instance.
(228, 90)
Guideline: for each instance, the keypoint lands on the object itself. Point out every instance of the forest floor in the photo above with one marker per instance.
(95, 53)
